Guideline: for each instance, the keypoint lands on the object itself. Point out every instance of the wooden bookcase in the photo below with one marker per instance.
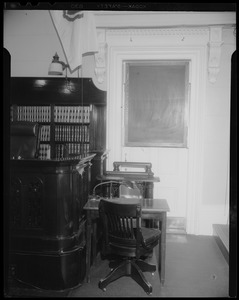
(71, 112)
(47, 195)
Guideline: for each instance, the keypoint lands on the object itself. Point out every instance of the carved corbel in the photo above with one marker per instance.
(100, 58)
(100, 63)
(214, 46)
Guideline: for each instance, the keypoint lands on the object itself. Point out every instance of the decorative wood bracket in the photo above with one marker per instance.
(214, 46)
(100, 58)
(100, 63)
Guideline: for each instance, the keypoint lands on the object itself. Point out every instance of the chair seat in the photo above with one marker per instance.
(150, 236)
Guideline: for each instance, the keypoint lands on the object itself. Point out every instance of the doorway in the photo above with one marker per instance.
(179, 169)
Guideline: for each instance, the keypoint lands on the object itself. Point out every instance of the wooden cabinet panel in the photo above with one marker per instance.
(47, 238)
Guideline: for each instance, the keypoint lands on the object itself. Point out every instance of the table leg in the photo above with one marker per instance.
(88, 245)
(94, 241)
(162, 248)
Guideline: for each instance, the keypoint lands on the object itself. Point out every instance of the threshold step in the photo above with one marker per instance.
(221, 234)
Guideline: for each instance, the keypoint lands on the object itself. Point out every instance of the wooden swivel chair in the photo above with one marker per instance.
(24, 142)
(124, 237)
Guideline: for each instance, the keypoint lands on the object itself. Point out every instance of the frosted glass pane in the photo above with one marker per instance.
(156, 104)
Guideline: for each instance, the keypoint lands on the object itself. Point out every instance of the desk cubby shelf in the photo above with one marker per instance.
(70, 125)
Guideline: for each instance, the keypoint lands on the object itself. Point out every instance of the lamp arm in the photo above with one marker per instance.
(102, 183)
(64, 65)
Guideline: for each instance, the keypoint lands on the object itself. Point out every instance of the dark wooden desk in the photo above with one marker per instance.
(151, 209)
(47, 224)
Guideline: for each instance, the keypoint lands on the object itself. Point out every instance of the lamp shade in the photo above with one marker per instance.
(55, 68)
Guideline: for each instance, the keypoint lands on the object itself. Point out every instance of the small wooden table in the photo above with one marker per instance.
(155, 209)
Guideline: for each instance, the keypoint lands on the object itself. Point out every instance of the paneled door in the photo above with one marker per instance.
(155, 128)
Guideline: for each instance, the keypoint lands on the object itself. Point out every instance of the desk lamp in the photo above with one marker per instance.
(57, 66)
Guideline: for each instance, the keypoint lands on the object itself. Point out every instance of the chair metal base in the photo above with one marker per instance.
(129, 267)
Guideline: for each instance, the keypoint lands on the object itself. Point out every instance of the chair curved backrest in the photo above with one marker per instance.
(24, 141)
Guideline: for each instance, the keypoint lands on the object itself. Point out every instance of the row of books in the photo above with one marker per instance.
(77, 148)
(72, 133)
(62, 114)
(44, 151)
(64, 150)
(45, 133)
(72, 114)
(34, 113)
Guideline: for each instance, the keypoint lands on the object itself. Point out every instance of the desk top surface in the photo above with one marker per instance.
(149, 205)
(54, 161)
(129, 176)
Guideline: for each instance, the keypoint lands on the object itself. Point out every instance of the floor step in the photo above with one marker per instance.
(176, 225)
(221, 234)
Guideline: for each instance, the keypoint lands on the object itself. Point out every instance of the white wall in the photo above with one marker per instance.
(31, 39)
(213, 207)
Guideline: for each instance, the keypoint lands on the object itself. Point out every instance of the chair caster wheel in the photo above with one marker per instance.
(100, 282)
(150, 294)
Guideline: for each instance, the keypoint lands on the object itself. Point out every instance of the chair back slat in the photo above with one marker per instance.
(131, 227)
(120, 226)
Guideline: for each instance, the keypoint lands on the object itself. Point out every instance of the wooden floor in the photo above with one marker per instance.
(195, 267)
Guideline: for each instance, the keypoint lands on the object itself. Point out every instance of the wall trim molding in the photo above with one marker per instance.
(129, 19)
(158, 31)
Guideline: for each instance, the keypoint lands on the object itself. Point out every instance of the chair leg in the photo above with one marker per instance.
(113, 275)
(145, 267)
(138, 276)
